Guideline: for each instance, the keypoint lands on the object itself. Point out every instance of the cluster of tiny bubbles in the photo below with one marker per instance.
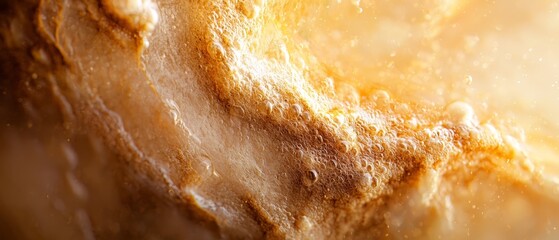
(366, 164)
(371, 122)
(439, 133)
(319, 137)
(437, 138)
(465, 132)
(407, 145)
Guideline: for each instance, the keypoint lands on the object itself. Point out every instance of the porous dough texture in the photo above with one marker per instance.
(221, 119)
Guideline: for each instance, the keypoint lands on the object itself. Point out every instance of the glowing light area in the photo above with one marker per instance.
(140, 15)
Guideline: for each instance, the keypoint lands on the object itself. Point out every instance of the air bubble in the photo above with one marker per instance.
(377, 148)
(381, 96)
(374, 181)
(367, 179)
(364, 163)
(402, 108)
(383, 169)
(460, 113)
(320, 138)
(306, 116)
(300, 153)
(408, 145)
(346, 146)
(373, 128)
(335, 163)
(298, 109)
(310, 178)
(270, 107)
